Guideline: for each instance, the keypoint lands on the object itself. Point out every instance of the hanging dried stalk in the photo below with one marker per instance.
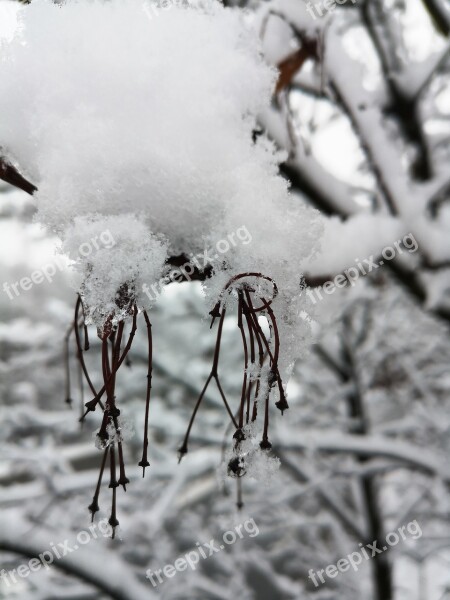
(109, 436)
(260, 376)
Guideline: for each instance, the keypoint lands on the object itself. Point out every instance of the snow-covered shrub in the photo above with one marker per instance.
(145, 128)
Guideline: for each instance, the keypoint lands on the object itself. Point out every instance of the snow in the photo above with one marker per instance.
(160, 151)
(8, 24)
(110, 252)
(105, 572)
(314, 513)
(345, 243)
(260, 465)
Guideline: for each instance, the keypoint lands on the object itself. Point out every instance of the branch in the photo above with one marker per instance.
(439, 15)
(301, 474)
(105, 572)
(12, 176)
(369, 446)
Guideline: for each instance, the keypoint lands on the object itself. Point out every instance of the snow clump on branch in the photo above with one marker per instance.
(112, 114)
(146, 129)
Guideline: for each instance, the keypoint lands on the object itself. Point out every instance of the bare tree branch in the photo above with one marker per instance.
(12, 176)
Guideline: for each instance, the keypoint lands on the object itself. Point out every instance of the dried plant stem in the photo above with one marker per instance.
(213, 375)
(94, 507)
(144, 460)
(79, 348)
(68, 398)
(92, 404)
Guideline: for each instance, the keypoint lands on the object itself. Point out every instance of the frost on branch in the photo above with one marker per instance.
(142, 128)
